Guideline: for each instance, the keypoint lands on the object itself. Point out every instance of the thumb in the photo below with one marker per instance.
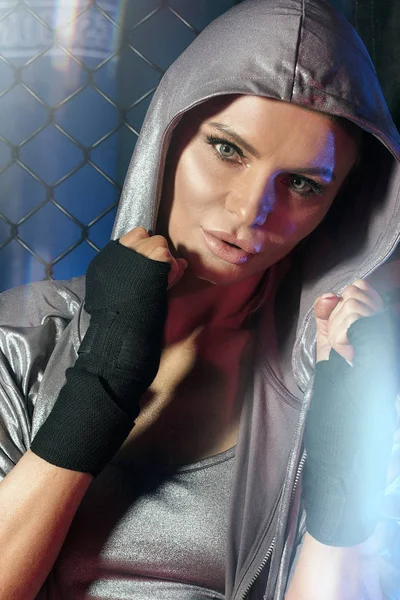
(323, 308)
(324, 305)
(178, 267)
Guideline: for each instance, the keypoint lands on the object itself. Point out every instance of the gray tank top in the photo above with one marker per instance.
(154, 534)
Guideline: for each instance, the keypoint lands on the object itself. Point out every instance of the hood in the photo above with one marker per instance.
(306, 53)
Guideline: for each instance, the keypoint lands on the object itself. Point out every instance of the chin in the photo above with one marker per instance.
(220, 275)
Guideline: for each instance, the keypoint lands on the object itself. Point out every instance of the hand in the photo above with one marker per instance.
(335, 314)
(156, 248)
(126, 297)
(351, 418)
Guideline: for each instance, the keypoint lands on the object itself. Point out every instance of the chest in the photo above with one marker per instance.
(149, 533)
(192, 409)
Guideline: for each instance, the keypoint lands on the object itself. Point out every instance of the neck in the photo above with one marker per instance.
(194, 305)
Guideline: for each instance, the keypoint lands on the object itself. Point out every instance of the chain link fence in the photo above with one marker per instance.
(76, 79)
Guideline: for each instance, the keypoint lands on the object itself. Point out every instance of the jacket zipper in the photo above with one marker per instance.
(304, 455)
(301, 464)
(298, 473)
(271, 547)
(299, 469)
(260, 568)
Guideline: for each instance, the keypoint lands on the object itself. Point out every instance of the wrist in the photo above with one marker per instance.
(85, 428)
(348, 439)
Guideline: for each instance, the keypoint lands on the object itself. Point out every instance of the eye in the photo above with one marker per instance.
(299, 184)
(303, 186)
(224, 149)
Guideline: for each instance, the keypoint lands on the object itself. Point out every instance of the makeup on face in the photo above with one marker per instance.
(249, 178)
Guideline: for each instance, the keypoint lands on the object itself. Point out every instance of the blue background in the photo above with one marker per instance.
(76, 79)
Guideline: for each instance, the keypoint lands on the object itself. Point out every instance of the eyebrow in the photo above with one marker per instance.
(322, 171)
(235, 136)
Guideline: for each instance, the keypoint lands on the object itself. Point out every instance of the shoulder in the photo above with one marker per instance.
(31, 304)
(33, 318)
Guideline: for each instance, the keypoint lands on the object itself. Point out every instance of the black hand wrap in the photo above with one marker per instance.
(349, 434)
(117, 361)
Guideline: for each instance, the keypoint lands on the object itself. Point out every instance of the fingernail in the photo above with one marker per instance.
(328, 296)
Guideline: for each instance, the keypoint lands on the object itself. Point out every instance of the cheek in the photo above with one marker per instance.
(295, 222)
(197, 185)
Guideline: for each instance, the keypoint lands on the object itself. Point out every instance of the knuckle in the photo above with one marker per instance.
(134, 235)
(160, 240)
(160, 253)
(362, 284)
(350, 291)
(351, 305)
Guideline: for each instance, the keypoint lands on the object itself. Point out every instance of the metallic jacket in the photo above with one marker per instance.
(299, 51)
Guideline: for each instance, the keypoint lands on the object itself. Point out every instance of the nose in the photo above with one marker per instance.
(252, 200)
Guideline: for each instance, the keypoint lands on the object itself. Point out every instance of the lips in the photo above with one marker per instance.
(226, 247)
(230, 239)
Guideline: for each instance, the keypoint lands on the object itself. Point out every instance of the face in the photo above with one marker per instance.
(247, 178)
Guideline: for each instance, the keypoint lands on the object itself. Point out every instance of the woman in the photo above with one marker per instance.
(263, 192)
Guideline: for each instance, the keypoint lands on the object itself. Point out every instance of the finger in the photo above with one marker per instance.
(178, 267)
(324, 306)
(133, 237)
(364, 292)
(162, 254)
(341, 319)
(173, 273)
(358, 297)
(148, 247)
(183, 263)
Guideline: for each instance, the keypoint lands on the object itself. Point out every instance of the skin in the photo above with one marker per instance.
(262, 194)
(257, 198)
(334, 315)
(253, 198)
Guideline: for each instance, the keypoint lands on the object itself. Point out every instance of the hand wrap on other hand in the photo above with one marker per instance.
(349, 434)
(126, 296)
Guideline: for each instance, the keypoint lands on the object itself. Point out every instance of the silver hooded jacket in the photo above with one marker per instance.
(299, 51)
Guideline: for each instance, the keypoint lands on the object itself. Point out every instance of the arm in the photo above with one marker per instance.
(92, 416)
(332, 573)
(36, 507)
(348, 437)
(38, 502)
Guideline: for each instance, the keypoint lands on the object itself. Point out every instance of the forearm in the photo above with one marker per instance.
(38, 502)
(330, 573)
